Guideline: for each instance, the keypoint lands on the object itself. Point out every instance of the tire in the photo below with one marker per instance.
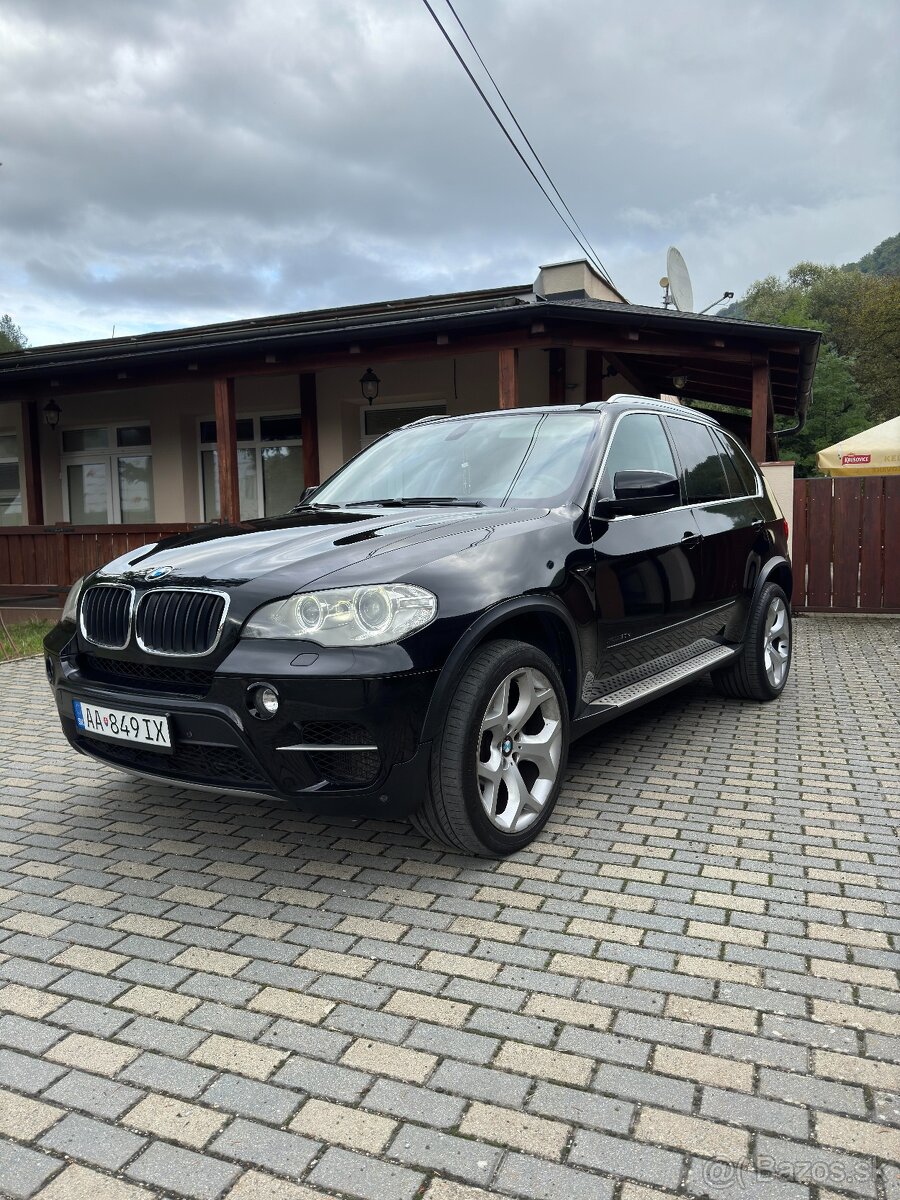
(761, 672)
(478, 751)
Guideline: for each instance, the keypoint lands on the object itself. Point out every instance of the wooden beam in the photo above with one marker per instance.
(32, 487)
(309, 428)
(556, 381)
(679, 352)
(294, 362)
(226, 450)
(759, 410)
(290, 363)
(508, 372)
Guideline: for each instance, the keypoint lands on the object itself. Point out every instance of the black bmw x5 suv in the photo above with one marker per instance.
(426, 633)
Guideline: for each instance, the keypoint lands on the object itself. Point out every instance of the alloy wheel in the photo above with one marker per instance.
(777, 642)
(519, 749)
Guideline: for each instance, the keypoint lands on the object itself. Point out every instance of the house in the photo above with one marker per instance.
(105, 445)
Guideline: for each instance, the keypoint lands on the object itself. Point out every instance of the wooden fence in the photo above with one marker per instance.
(846, 548)
(37, 559)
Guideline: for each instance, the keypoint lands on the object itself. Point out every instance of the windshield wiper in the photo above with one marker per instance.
(418, 502)
(311, 505)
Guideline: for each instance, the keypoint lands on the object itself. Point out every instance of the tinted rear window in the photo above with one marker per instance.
(742, 465)
(704, 475)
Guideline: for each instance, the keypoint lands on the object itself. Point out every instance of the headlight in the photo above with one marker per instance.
(363, 616)
(70, 608)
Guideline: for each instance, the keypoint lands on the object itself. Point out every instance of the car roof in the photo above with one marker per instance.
(615, 404)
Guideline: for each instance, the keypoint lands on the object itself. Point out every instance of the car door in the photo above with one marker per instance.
(646, 566)
(728, 523)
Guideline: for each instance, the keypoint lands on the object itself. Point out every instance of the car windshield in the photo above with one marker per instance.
(517, 459)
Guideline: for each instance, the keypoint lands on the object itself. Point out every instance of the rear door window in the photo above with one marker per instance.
(703, 473)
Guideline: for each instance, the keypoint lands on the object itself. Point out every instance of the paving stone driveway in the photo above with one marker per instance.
(686, 987)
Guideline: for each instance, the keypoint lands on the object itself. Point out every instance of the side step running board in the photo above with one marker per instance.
(634, 692)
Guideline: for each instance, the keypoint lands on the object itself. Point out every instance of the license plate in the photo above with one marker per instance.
(143, 729)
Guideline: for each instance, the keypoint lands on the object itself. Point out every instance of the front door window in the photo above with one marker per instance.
(270, 465)
(246, 484)
(135, 488)
(647, 566)
(88, 492)
(10, 491)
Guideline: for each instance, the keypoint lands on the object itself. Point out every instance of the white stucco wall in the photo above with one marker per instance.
(174, 412)
(779, 477)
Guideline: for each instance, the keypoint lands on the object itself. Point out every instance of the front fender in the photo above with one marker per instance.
(480, 631)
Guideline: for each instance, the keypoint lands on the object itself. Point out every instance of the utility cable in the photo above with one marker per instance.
(591, 256)
(593, 253)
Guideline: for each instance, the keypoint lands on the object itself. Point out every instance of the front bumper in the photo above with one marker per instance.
(217, 743)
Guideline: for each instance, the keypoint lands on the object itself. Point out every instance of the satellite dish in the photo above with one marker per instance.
(679, 281)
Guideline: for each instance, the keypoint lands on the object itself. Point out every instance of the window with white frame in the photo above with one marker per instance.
(10, 487)
(270, 465)
(107, 475)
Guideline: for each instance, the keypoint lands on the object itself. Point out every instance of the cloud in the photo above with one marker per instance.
(176, 163)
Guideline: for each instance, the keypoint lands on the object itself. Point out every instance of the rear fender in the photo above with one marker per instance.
(776, 570)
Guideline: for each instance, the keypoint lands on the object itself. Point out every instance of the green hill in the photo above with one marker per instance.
(883, 260)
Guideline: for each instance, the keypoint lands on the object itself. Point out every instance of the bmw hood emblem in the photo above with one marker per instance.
(157, 572)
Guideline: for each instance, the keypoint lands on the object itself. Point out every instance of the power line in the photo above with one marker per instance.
(586, 241)
(572, 228)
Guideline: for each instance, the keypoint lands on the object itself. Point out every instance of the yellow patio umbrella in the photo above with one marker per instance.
(875, 451)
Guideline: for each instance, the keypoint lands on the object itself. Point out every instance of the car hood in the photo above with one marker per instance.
(293, 552)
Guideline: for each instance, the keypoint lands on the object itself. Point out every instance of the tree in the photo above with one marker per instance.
(876, 324)
(838, 410)
(11, 336)
(857, 380)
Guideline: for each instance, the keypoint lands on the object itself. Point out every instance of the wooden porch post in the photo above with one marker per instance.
(509, 377)
(31, 463)
(309, 428)
(226, 448)
(556, 384)
(759, 417)
(772, 450)
(593, 376)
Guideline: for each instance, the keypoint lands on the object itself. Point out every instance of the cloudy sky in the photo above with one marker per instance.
(185, 161)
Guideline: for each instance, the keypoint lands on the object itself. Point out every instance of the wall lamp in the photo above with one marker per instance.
(52, 413)
(369, 384)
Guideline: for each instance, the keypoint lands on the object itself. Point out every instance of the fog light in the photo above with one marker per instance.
(48, 667)
(263, 701)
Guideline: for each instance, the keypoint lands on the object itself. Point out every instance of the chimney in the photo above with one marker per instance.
(574, 280)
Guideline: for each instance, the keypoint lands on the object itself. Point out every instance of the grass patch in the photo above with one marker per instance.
(21, 638)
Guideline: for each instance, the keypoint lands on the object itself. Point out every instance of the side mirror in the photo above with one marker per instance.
(640, 492)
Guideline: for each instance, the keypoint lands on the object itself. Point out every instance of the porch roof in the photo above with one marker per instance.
(649, 345)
